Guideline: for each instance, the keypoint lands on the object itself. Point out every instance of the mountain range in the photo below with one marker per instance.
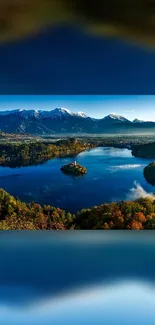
(61, 120)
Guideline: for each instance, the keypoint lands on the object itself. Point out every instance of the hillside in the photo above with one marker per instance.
(17, 215)
(19, 153)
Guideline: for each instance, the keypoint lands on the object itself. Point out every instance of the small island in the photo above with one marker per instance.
(149, 173)
(74, 169)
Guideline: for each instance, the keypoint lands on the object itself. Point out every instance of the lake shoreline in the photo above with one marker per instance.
(34, 152)
(106, 166)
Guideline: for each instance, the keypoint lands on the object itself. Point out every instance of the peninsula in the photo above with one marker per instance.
(149, 173)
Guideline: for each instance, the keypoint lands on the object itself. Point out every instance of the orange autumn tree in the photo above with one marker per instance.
(139, 216)
(135, 225)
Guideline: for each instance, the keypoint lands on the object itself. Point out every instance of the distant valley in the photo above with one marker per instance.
(63, 121)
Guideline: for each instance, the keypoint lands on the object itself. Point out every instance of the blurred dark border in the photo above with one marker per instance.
(67, 61)
(54, 263)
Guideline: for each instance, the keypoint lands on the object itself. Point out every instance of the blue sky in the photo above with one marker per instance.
(65, 60)
(130, 106)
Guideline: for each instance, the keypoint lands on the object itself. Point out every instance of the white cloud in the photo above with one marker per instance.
(114, 169)
(137, 192)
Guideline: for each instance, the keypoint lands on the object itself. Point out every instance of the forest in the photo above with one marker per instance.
(149, 173)
(18, 215)
(120, 141)
(146, 150)
(25, 150)
(16, 154)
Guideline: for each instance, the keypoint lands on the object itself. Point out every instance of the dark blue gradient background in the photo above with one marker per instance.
(65, 60)
(44, 273)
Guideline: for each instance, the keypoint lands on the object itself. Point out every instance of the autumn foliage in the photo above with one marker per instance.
(17, 215)
(136, 215)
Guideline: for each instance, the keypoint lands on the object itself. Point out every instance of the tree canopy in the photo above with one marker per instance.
(17, 215)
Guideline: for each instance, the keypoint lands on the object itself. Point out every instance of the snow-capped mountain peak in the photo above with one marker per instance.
(81, 114)
(63, 110)
(138, 121)
(116, 118)
(27, 113)
(57, 112)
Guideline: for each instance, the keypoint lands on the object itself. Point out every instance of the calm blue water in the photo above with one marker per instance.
(111, 176)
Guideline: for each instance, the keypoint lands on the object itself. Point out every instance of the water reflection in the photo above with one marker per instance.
(122, 303)
(77, 277)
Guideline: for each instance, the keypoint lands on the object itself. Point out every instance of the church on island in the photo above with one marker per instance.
(74, 162)
(74, 168)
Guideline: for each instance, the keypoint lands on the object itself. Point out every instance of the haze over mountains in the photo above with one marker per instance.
(62, 120)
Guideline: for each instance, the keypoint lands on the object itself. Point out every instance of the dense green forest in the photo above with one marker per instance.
(17, 215)
(149, 173)
(144, 150)
(15, 154)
